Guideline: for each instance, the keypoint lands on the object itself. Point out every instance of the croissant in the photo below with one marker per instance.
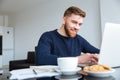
(97, 68)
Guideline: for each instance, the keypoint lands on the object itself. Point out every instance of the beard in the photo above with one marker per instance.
(70, 32)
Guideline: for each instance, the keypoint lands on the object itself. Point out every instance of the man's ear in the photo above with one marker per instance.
(63, 20)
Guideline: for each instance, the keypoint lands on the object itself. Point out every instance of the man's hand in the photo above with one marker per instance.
(87, 58)
(94, 59)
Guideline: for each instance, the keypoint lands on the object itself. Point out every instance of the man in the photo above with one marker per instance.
(65, 42)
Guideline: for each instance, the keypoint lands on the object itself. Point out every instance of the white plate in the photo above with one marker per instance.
(101, 74)
(65, 72)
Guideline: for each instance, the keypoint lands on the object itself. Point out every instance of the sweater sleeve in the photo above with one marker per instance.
(43, 52)
(88, 48)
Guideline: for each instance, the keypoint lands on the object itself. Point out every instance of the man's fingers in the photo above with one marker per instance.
(83, 72)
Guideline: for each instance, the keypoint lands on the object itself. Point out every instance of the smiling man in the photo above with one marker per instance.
(65, 42)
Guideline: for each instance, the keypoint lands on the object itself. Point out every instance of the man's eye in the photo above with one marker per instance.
(74, 22)
(80, 24)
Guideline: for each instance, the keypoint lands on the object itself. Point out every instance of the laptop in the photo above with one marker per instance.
(110, 47)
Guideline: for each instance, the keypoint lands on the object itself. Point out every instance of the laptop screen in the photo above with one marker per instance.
(110, 47)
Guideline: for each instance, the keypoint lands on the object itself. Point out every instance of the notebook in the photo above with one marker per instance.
(110, 47)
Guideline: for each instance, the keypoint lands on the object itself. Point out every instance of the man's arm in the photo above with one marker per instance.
(91, 52)
(43, 52)
(88, 48)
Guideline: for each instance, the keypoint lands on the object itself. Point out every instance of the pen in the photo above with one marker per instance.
(34, 72)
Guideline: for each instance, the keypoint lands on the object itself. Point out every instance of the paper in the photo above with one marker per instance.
(45, 68)
(29, 73)
(1, 71)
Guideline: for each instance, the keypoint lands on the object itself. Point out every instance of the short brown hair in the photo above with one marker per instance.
(74, 10)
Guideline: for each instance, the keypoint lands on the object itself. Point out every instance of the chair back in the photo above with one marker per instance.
(31, 57)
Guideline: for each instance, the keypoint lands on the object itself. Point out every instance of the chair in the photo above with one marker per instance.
(25, 63)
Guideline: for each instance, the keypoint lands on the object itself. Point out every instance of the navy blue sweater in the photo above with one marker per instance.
(52, 45)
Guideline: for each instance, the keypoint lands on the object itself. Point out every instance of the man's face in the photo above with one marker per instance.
(72, 24)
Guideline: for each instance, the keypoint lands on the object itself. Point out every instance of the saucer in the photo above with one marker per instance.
(69, 77)
(66, 72)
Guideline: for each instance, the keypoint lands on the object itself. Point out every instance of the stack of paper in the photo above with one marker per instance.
(34, 72)
(1, 71)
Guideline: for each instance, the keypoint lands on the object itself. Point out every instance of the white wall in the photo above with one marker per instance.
(30, 24)
(110, 12)
(1, 20)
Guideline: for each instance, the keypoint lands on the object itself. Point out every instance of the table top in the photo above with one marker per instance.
(114, 76)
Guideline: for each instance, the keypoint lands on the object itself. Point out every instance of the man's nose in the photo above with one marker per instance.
(77, 27)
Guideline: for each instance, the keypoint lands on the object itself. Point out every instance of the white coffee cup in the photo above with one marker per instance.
(67, 63)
